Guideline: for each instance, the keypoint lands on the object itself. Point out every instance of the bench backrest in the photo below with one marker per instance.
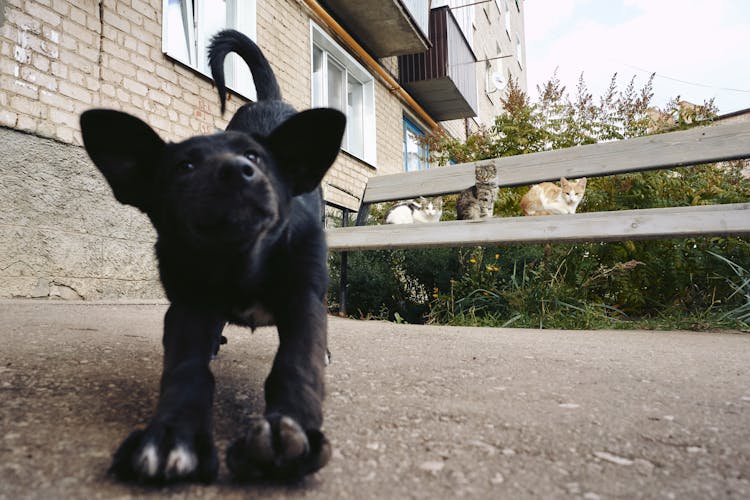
(718, 142)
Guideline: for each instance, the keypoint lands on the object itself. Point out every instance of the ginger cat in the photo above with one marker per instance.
(548, 198)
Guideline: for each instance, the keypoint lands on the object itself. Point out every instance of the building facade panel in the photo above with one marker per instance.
(491, 28)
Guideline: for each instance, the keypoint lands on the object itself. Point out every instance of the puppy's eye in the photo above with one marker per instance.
(252, 156)
(185, 166)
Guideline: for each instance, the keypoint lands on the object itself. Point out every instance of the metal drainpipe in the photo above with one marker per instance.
(372, 63)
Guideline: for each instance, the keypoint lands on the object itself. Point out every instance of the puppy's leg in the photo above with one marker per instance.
(286, 443)
(178, 444)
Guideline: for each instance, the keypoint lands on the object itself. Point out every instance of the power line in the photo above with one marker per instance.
(685, 81)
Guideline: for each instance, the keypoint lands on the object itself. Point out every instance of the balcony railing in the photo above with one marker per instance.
(443, 79)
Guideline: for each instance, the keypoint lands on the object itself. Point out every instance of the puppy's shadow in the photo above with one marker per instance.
(239, 375)
(239, 369)
(239, 379)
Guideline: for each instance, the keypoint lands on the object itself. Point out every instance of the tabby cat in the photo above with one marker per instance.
(478, 201)
(548, 198)
(422, 210)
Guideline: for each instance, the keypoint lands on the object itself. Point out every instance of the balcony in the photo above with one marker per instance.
(385, 27)
(442, 80)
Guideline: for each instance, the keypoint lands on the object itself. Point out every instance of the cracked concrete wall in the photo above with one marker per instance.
(62, 234)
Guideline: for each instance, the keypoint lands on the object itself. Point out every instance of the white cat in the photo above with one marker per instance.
(422, 210)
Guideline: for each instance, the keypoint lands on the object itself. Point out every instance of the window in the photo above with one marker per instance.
(416, 152)
(489, 86)
(189, 25)
(338, 81)
(519, 51)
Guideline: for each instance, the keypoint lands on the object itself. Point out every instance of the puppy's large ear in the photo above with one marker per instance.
(306, 145)
(125, 150)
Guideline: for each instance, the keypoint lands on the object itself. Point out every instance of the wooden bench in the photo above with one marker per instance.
(709, 144)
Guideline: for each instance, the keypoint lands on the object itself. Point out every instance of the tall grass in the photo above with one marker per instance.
(740, 290)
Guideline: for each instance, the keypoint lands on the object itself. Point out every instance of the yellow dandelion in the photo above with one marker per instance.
(473, 260)
(497, 256)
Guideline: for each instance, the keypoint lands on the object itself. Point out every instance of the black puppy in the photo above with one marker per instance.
(240, 240)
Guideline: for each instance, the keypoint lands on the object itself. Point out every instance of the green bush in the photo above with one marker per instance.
(667, 283)
(386, 283)
(593, 285)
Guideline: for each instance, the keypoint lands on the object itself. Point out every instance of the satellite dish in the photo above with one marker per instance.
(498, 80)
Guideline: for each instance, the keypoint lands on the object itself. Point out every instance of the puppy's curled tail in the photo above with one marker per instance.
(227, 41)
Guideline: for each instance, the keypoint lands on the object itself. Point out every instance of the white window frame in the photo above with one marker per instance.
(242, 17)
(333, 50)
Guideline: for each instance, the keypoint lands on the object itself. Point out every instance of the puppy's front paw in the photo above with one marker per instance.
(276, 447)
(162, 453)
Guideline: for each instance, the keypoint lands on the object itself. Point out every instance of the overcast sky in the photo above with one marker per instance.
(703, 42)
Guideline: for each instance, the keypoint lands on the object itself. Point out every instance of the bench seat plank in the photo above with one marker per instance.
(655, 223)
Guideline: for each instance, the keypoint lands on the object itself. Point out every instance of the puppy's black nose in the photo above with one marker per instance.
(238, 169)
(247, 171)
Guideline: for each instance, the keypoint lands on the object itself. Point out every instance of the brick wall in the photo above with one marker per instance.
(59, 58)
(62, 233)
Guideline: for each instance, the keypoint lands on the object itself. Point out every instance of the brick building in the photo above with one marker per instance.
(61, 232)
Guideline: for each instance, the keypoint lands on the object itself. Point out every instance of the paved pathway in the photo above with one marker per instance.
(412, 411)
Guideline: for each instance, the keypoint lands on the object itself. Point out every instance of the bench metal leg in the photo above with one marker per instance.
(364, 211)
(343, 268)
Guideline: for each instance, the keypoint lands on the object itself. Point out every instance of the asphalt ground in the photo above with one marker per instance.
(412, 411)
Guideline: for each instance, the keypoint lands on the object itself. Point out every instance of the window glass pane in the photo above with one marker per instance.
(189, 25)
(354, 116)
(177, 37)
(412, 150)
(519, 51)
(336, 81)
(415, 151)
(339, 82)
(507, 17)
(317, 78)
(215, 15)
(212, 20)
